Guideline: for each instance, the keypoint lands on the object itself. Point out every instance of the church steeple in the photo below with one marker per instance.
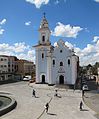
(44, 23)
(44, 32)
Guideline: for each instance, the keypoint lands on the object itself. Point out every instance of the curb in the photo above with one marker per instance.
(9, 107)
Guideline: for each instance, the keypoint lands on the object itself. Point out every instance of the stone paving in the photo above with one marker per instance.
(66, 106)
(91, 99)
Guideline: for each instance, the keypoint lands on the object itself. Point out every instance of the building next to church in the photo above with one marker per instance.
(11, 67)
(54, 65)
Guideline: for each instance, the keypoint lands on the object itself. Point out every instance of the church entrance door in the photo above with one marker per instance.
(61, 79)
(43, 78)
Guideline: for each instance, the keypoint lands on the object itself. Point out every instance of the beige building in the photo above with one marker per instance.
(3, 67)
(12, 64)
(8, 66)
(25, 67)
(11, 67)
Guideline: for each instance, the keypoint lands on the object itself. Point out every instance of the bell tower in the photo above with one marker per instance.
(44, 32)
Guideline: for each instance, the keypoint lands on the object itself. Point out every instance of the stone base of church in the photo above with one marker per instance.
(41, 83)
(51, 84)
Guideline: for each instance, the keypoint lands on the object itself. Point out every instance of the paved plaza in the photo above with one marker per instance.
(66, 106)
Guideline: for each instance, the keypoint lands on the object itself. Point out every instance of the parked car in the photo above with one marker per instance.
(84, 82)
(27, 78)
(85, 87)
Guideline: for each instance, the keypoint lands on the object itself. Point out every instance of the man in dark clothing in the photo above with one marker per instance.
(81, 104)
(46, 107)
(34, 93)
(56, 93)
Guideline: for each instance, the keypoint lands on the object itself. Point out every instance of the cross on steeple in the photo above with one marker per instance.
(44, 14)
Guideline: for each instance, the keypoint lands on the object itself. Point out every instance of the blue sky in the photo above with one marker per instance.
(74, 21)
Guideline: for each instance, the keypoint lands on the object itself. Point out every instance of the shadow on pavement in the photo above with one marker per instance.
(52, 114)
(84, 110)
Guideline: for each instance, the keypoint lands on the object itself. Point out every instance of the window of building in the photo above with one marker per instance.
(43, 38)
(42, 55)
(53, 62)
(68, 61)
(1, 65)
(61, 63)
(1, 59)
(61, 51)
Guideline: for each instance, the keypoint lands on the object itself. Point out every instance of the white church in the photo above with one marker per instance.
(54, 65)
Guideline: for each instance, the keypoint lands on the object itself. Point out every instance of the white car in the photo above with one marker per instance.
(27, 78)
(85, 87)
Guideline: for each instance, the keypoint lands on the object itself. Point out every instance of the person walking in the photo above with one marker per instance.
(46, 107)
(33, 93)
(56, 94)
(81, 104)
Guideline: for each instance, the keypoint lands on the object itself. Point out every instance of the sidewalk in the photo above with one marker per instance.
(66, 107)
(91, 99)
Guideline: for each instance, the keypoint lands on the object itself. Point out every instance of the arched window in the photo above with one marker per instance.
(61, 51)
(53, 62)
(68, 61)
(43, 38)
(61, 63)
(42, 55)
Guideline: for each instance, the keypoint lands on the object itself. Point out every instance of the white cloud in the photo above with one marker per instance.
(3, 21)
(96, 38)
(20, 50)
(66, 30)
(57, 2)
(28, 23)
(89, 55)
(38, 3)
(1, 31)
(96, 1)
(20, 47)
(69, 45)
(86, 29)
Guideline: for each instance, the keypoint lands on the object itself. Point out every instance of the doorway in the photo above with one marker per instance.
(61, 79)
(43, 78)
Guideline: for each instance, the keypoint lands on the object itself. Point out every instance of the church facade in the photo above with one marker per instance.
(54, 65)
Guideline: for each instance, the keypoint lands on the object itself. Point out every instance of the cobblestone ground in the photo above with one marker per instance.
(66, 106)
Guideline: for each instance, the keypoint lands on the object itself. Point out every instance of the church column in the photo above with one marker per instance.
(37, 73)
(49, 69)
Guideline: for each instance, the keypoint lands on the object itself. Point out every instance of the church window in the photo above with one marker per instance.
(42, 55)
(68, 61)
(61, 51)
(61, 63)
(53, 62)
(43, 38)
